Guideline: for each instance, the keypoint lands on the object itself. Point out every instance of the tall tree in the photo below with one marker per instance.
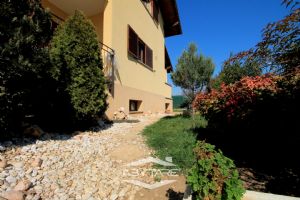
(234, 71)
(193, 72)
(77, 66)
(25, 31)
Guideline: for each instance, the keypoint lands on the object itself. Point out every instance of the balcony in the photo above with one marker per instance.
(94, 10)
(89, 7)
(107, 55)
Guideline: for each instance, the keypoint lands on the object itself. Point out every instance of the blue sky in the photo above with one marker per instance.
(219, 27)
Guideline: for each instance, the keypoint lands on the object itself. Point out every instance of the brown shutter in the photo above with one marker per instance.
(149, 57)
(155, 10)
(132, 42)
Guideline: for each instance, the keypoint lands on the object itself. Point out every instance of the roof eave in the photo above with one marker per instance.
(170, 14)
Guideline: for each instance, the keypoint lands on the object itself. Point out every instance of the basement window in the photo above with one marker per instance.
(134, 105)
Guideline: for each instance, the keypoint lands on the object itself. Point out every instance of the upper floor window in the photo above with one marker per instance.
(155, 10)
(139, 49)
(152, 7)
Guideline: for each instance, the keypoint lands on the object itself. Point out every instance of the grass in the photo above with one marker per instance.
(174, 137)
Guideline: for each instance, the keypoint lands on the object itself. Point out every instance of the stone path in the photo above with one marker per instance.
(88, 165)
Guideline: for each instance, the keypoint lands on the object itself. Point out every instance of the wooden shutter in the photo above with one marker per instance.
(155, 10)
(149, 57)
(132, 42)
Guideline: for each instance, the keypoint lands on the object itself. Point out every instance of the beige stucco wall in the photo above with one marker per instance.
(132, 79)
(57, 11)
(98, 19)
(130, 72)
(98, 22)
(151, 103)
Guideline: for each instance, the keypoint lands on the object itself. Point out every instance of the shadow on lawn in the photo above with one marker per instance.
(173, 195)
(267, 158)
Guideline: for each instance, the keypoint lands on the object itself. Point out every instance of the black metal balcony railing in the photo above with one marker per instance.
(107, 55)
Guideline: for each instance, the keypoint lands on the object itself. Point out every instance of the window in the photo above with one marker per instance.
(138, 49)
(132, 42)
(149, 57)
(142, 51)
(167, 107)
(155, 10)
(56, 20)
(54, 25)
(134, 105)
(152, 8)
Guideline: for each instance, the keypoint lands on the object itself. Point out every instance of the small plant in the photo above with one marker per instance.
(214, 176)
(157, 178)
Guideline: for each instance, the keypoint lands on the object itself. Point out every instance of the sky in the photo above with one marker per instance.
(219, 27)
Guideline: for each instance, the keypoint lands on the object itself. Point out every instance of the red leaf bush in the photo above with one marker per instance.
(236, 102)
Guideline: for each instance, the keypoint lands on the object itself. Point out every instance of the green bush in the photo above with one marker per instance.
(77, 66)
(25, 31)
(214, 176)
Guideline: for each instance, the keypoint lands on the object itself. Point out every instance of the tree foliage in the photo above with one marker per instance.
(248, 101)
(25, 30)
(235, 71)
(193, 72)
(77, 66)
(279, 49)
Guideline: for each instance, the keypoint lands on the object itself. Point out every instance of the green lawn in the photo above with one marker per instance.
(174, 137)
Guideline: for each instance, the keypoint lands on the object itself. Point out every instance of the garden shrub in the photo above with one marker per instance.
(251, 100)
(234, 103)
(25, 31)
(77, 66)
(214, 176)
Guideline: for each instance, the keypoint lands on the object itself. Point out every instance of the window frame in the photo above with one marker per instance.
(136, 104)
(155, 15)
(141, 45)
(134, 54)
(147, 59)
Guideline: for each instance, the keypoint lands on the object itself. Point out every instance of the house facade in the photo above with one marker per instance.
(132, 36)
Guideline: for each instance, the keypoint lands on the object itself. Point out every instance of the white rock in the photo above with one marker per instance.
(18, 165)
(11, 179)
(34, 173)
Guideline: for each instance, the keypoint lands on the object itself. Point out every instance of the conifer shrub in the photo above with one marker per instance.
(25, 31)
(214, 176)
(77, 67)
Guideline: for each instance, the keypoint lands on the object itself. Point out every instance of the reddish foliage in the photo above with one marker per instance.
(233, 100)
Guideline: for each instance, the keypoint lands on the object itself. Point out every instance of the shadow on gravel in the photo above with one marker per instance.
(267, 157)
(50, 135)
